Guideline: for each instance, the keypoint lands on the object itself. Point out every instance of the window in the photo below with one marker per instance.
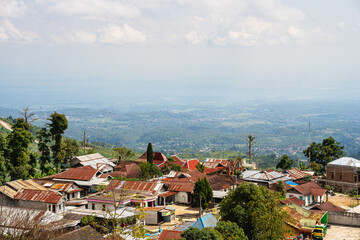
(340, 177)
(301, 198)
(93, 206)
(355, 179)
(73, 195)
(49, 207)
(332, 175)
(103, 207)
(86, 206)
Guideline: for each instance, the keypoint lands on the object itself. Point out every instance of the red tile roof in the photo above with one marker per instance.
(212, 170)
(159, 159)
(310, 188)
(219, 182)
(294, 200)
(39, 196)
(170, 234)
(128, 171)
(85, 173)
(191, 164)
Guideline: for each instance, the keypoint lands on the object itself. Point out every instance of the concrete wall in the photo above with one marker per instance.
(152, 217)
(347, 219)
(181, 197)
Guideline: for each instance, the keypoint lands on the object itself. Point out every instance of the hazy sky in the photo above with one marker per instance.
(292, 49)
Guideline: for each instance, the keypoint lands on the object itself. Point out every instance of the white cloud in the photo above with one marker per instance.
(85, 37)
(92, 8)
(194, 37)
(10, 33)
(115, 34)
(277, 11)
(11, 8)
(341, 25)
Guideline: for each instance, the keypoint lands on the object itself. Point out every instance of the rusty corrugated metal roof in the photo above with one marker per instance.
(134, 185)
(10, 189)
(39, 196)
(85, 173)
(223, 162)
(297, 174)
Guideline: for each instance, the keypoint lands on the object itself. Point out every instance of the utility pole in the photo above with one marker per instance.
(309, 145)
(84, 142)
(200, 207)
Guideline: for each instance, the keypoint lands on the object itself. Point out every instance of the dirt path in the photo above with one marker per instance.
(337, 232)
(342, 200)
(5, 125)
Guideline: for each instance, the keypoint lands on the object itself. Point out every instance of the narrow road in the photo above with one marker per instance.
(5, 125)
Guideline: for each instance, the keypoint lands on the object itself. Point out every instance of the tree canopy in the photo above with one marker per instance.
(202, 188)
(325, 152)
(285, 163)
(256, 210)
(123, 153)
(150, 154)
(224, 230)
(58, 124)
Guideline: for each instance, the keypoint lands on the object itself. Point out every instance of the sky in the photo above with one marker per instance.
(102, 50)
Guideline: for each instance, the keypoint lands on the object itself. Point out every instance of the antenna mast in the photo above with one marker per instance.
(309, 144)
(84, 142)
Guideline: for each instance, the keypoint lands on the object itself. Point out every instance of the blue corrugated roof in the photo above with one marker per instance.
(291, 183)
(207, 220)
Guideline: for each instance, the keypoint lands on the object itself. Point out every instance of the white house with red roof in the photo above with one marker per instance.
(309, 192)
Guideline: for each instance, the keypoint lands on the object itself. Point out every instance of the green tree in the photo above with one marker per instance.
(325, 152)
(70, 147)
(285, 163)
(150, 154)
(256, 210)
(149, 171)
(123, 154)
(3, 160)
(280, 188)
(200, 167)
(17, 150)
(44, 147)
(205, 234)
(202, 188)
(58, 124)
(230, 231)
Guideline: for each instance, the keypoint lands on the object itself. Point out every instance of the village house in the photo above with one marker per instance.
(343, 174)
(86, 177)
(180, 186)
(30, 194)
(297, 175)
(128, 170)
(309, 192)
(185, 164)
(266, 178)
(70, 190)
(96, 161)
(159, 159)
(119, 194)
(40, 199)
(302, 221)
(155, 215)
